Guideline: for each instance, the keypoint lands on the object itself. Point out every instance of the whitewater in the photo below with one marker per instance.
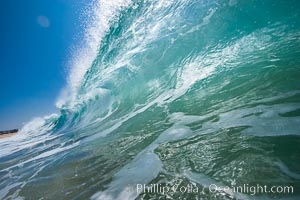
(169, 92)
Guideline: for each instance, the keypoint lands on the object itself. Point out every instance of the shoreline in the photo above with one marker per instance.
(4, 134)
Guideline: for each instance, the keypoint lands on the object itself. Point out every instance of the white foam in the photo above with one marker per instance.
(100, 15)
(142, 169)
(146, 165)
(232, 2)
(206, 181)
(34, 132)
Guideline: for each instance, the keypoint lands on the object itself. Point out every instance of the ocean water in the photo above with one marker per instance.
(169, 92)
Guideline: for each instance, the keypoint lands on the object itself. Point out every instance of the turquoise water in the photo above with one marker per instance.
(169, 92)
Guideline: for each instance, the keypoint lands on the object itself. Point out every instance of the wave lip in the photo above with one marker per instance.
(100, 16)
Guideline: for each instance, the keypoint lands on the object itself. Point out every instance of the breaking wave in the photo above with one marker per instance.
(167, 91)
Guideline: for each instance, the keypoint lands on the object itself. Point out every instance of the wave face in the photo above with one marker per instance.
(169, 91)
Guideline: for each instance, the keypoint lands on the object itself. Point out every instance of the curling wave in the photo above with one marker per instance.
(168, 92)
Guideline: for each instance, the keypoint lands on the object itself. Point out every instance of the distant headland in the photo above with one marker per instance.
(8, 133)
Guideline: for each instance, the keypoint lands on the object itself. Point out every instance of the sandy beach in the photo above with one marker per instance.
(4, 135)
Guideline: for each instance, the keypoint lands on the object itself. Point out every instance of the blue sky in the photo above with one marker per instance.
(36, 39)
